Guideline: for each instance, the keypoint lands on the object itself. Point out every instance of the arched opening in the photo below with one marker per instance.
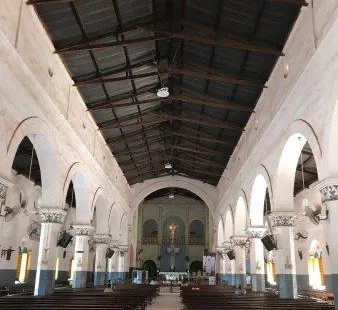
(196, 232)
(150, 232)
(296, 171)
(220, 233)
(165, 221)
(240, 217)
(315, 266)
(151, 267)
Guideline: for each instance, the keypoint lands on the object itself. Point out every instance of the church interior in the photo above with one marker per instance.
(168, 154)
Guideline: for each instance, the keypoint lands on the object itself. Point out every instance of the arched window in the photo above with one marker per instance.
(150, 232)
(196, 232)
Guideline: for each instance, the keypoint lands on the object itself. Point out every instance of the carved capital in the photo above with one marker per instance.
(227, 246)
(102, 239)
(239, 241)
(52, 215)
(83, 230)
(328, 189)
(279, 219)
(123, 249)
(256, 232)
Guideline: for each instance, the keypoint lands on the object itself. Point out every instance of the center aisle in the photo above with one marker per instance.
(166, 301)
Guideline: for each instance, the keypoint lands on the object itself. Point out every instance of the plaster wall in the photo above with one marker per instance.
(35, 85)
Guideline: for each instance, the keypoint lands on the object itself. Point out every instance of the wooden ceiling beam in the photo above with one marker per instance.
(125, 96)
(83, 79)
(212, 123)
(166, 35)
(97, 46)
(36, 2)
(187, 72)
(225, 105)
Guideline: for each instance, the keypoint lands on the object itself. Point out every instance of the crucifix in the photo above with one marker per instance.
(172, 229)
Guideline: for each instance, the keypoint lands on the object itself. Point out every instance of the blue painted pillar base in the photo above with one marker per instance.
(240, 280)
(122, 276)
(79, 279)
(112, 276)
(303, 282)
(46, 283)
(99, 278)
(258, 282)
(328, 282)
(287, 286)
(334, 282)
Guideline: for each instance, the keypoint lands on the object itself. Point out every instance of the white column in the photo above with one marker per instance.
(122, 254)
(329, 190)
(52, 219)
(283, 223)
(229, 265)
(239, 244)
(257, 263)
(82, 235)
(101, 242)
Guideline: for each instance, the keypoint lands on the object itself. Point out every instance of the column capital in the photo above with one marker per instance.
(227, 245)
(53, 215)
(256, 232)
(240, 241)
(282, 218)
(123, 249)
(328, 188)
(102, 239)
(83, 230)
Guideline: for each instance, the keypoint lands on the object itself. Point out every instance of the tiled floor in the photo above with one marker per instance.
(167, 301)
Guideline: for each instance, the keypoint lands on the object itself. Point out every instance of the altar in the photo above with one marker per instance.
(174, 276)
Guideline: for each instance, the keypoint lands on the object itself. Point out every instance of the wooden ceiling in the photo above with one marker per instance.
(215, 57)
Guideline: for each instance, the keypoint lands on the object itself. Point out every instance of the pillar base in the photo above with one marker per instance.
(258, 282)
(287, 286)
(79, 279)
(46, 283)
(303, 282)
(99, 278)
(240, 280)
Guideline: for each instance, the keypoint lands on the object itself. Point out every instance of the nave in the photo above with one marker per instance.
(137, 297)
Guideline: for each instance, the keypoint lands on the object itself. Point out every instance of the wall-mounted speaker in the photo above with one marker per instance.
(269, 242)
(109, 253)
(231, 254)
(64, 239)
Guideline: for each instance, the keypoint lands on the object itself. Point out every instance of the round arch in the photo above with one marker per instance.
(228, 224)
(100, 205)
(258, 194)
(292, 143)
(205, 191)
(44, 144)
(220, 232)
(240, 216)
(114, 221)
(78, 175)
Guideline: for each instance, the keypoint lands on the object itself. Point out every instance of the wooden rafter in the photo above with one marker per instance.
(36, 2)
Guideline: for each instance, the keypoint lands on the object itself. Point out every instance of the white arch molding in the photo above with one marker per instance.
(45, 146)
(240, 216)
(100, 205)
(291, 145)
(205, 191)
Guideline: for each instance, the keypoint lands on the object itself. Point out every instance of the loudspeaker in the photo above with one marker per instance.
(269, 242)
(109, 253)
(64, 239)
(231, 255)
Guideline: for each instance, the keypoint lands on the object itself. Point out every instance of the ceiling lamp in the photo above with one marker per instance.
(171, 196)
(163, 92)
(168, 166)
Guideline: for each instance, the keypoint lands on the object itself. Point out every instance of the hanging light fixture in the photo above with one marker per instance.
(168, 165)
(163, 92)
(172, 195)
